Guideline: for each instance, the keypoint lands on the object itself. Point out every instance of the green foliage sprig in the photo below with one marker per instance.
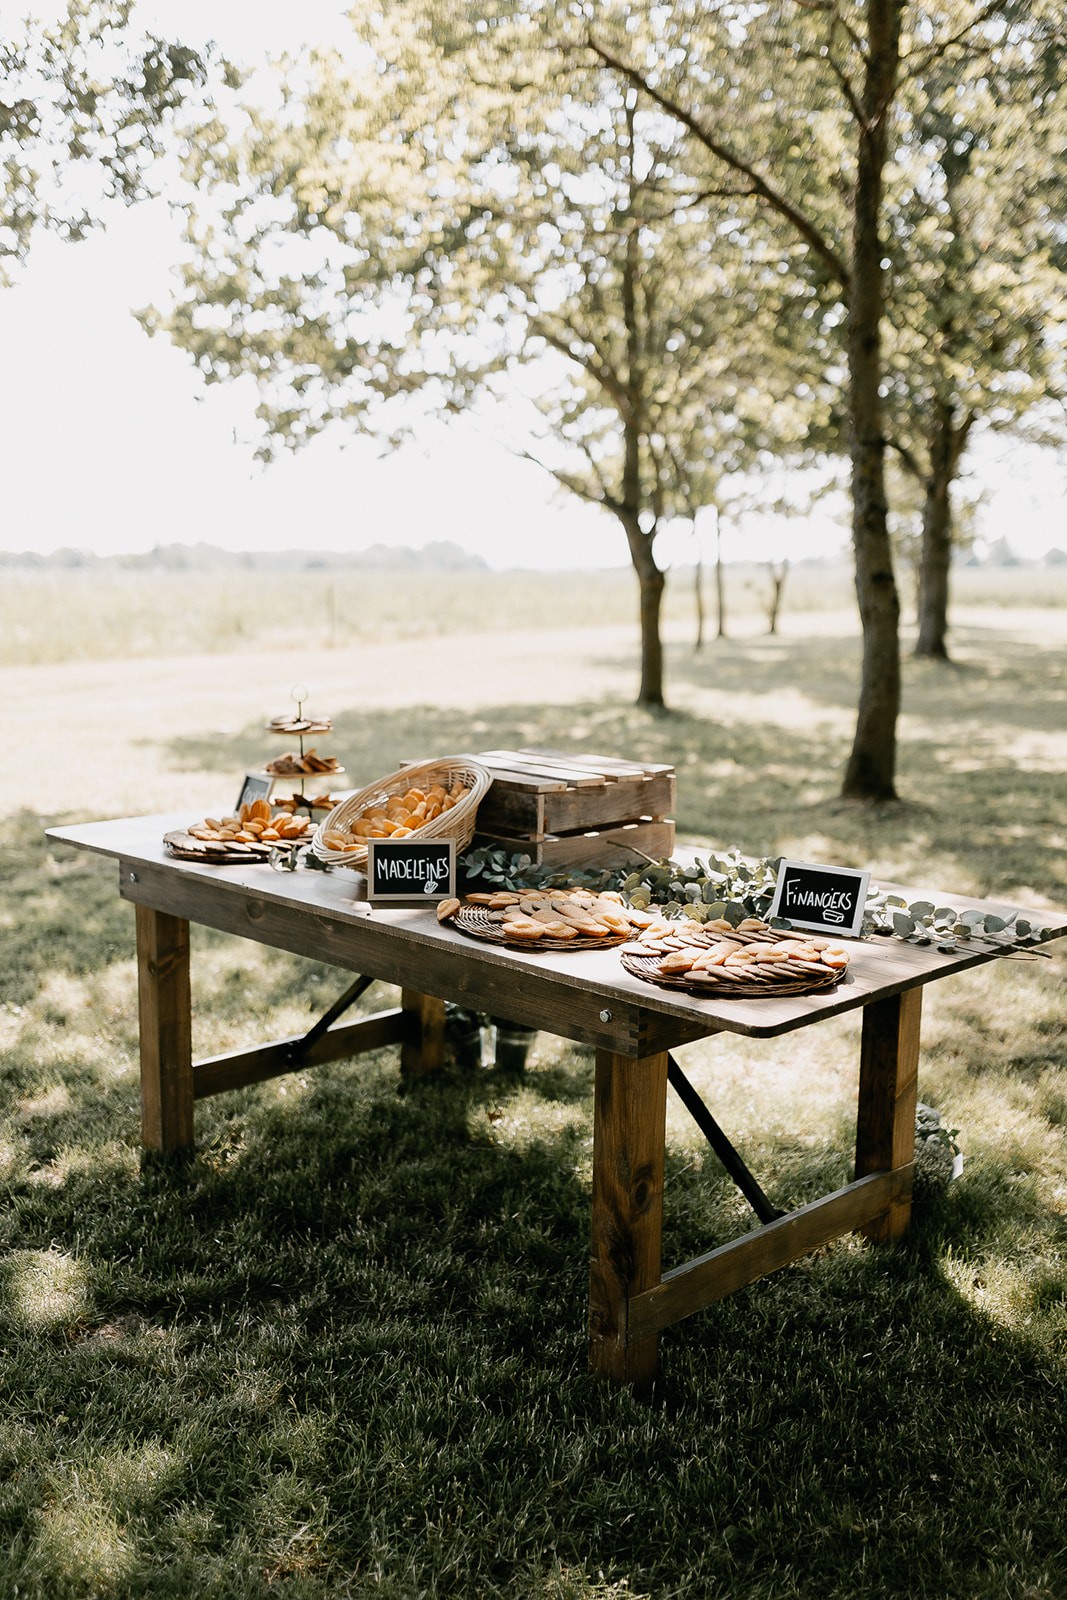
(501, 869)
(923, 922)
(725, 885)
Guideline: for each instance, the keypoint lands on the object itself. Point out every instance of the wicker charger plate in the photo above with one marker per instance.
(756, 987)
(475, 920)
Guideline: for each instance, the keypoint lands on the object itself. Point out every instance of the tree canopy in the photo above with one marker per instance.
(460, 211)
(87, 109)
(694, 234)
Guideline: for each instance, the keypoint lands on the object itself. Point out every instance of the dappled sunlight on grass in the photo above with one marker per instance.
(42, 1290)
(999, 1289)
(52, 1100)
(80, 1544)
(341, 1349)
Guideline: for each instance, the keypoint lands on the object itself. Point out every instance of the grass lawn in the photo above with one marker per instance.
(341, 1351)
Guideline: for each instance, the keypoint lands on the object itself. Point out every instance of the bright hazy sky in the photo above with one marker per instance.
(110, 442)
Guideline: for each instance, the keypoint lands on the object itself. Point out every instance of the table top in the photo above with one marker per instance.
(323, 915)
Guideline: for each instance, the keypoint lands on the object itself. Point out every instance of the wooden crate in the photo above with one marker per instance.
(576, 810)
(626, 845)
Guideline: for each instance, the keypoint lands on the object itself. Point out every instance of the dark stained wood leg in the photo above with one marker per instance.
(422, 1047)
(166, 1030)
(629, 1120)
(885, 1126)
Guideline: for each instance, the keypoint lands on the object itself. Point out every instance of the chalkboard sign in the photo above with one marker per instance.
(257, 786)
(411, 871)
(820, 899)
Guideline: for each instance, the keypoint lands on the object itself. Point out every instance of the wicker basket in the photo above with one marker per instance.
(456, 823)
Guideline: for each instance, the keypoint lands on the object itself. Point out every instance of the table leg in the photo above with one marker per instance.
(885, 1125)
(166, 1030)
(629, 1125)
(422, 1048)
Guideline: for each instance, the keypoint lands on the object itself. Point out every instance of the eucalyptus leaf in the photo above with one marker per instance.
(903, 924)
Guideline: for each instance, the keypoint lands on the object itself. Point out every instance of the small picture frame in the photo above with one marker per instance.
(256, 786)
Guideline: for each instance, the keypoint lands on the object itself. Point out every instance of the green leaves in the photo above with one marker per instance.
(705, 890)
(923, 922)
(92, 95)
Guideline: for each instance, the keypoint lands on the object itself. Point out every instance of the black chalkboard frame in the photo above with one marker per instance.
(428, 851)
(853, 882)
(256, 786)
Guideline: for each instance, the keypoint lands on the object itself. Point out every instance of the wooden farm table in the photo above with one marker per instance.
(585, 996)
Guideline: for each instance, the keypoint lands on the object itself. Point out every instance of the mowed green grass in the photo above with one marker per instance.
(341, 1351)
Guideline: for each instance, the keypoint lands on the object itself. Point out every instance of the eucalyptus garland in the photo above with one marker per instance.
(731, 886)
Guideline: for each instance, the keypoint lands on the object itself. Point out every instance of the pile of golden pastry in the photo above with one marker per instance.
(286, 722)
(253, 824)
(547, 914)
(752, 953)
(291, 765)
(298, 802)
(394, 818)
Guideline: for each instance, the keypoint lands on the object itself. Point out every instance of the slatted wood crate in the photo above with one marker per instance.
(576, 810)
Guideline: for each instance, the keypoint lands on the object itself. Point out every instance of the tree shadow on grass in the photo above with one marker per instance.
(994, 683)
(342, 1347)
(354, 1336)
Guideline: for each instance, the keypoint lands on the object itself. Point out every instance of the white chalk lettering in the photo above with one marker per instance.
(393, 868)
(832, 904)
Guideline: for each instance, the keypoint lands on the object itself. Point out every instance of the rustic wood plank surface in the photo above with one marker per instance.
(321, 915)
(519, 777)
(602, 763)
(567, 772)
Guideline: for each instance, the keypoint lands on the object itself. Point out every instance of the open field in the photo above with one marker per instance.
(94, 614)
(341, 1353)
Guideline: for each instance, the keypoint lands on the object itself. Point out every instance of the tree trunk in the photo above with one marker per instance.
(720, 586)
(946, 447)
(652, 582)
(778, 577)
(870, 772)
(637, 498)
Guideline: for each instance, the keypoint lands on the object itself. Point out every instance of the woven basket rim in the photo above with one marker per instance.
(456, 823)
